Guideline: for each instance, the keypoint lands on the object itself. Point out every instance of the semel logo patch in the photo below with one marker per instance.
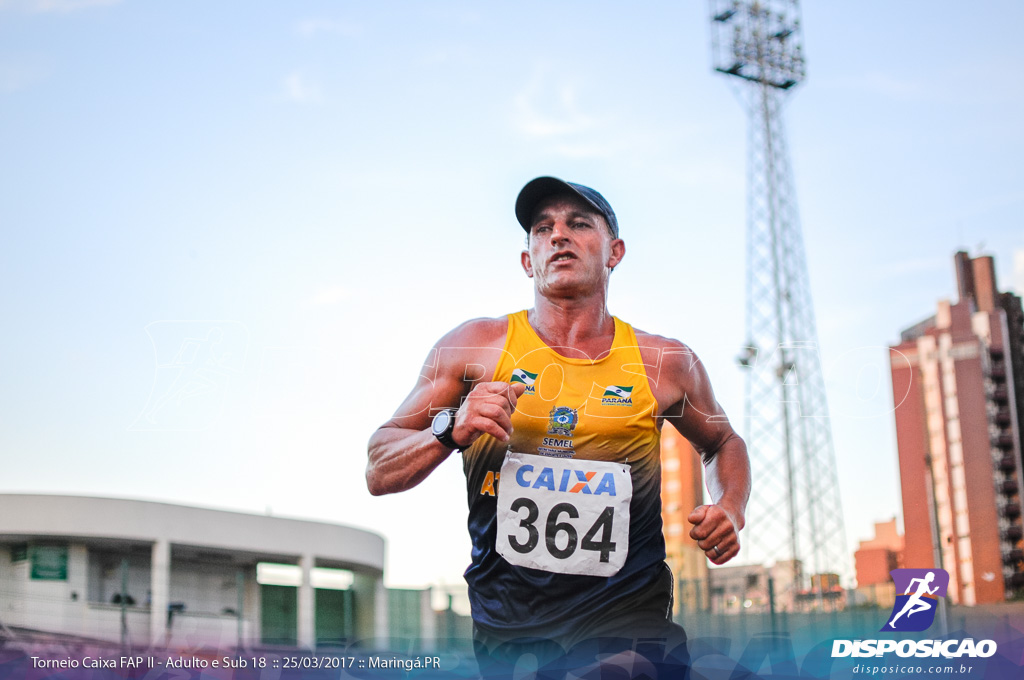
(917, 597)
(562, 421)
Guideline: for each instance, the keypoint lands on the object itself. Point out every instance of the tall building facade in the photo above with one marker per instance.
(681, 491)
(958, 389)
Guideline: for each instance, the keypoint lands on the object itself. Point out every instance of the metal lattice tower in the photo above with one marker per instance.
(794, 511)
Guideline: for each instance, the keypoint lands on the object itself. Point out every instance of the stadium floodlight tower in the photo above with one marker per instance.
(794, 512)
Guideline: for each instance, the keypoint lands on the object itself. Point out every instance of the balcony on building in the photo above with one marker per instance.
(1004, 441)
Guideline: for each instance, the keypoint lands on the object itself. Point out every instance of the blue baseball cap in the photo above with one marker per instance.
(540, 188)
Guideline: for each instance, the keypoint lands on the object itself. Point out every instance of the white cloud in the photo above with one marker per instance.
(312, 27)
(562, 116)
(553, 113)
(575, 122)
(302, 89)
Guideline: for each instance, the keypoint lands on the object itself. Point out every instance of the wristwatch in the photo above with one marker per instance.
(443, 425)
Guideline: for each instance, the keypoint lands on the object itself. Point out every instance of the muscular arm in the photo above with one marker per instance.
(699, 417)
(403, 452)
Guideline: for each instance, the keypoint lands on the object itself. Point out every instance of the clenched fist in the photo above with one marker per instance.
(487, 410)
(716, 531)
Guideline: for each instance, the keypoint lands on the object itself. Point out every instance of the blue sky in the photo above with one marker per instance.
(327, 188)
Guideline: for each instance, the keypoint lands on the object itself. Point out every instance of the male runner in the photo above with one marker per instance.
(557, 411)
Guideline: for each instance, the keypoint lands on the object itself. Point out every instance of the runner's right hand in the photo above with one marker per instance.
(487, 410)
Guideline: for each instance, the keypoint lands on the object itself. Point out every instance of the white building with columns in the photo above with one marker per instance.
(169, 575)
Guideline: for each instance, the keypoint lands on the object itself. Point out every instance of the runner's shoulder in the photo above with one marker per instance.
(679, 368)
(480, 332)
(659, 344)
(470, 343)
(674, 359)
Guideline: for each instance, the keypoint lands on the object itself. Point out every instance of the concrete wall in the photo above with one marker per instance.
(42, 604)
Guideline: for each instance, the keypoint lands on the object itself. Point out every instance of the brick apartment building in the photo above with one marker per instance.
(681, 491)
(958, 387)
(873, 561)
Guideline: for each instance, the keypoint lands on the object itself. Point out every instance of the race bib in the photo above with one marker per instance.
(564, 515)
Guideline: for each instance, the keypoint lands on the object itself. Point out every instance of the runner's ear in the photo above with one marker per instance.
(527, 263)
(618, 251)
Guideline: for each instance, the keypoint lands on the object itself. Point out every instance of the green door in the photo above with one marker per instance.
(279, 607)
(335, 617)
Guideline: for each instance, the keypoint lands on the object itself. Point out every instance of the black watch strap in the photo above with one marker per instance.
(445, 436)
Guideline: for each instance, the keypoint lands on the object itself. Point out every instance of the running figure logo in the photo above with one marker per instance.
(921, 589)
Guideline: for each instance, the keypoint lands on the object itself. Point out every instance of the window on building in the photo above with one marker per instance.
(49, 562)
(270, 573)
(121, 574)
(19, 552)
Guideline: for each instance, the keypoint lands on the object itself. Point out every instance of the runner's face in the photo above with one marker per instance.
(571, 250)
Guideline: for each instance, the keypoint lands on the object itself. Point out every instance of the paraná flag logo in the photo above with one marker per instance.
(523, 376)
(617, 395)
(520, 375)
(917, 597)
(620, 391)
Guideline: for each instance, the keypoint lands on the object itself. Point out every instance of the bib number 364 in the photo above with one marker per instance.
(563, 515)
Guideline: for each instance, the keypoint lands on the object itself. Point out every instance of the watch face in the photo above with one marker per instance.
(440, 423)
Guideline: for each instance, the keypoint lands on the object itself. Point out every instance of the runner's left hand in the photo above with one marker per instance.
(714, 527)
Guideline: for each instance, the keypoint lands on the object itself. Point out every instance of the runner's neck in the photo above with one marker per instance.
(587, 328)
